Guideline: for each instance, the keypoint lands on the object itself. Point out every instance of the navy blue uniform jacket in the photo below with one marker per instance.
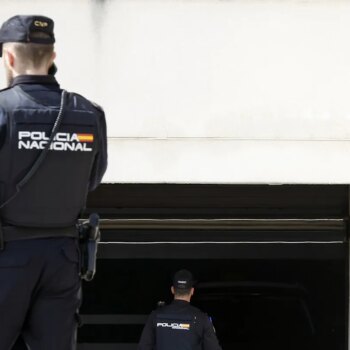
(167, 329)
(45, 89)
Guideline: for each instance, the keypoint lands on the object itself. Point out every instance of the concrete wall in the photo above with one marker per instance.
(211, 91)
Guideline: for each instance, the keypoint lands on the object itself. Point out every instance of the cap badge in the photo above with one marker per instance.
(41, 24)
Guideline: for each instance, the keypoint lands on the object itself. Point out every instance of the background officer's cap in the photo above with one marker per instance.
(22, 29)
(183, 279)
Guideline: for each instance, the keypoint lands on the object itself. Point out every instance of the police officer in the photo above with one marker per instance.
(46, 172)
(179, 326)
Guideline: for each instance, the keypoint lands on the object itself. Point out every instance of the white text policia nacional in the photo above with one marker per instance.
(37, 140)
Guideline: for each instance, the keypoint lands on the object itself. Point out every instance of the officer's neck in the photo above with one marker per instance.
(31, 71)
(183, 298)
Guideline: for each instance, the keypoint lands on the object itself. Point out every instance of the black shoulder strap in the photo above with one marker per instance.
(42, 156)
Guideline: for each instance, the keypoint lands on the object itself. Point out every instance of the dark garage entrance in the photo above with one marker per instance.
(270, 277)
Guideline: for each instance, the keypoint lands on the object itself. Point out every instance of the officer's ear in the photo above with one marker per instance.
(9, 58)
(192, 291)
(172, 290)
(51, 64)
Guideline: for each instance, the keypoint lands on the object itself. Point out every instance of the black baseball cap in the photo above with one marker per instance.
(183, 279)
(22, 29)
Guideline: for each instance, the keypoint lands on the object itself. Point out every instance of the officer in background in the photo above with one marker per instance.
(179, 326)
(41, 199)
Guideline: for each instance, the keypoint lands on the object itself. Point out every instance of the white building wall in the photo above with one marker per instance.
(210, 91)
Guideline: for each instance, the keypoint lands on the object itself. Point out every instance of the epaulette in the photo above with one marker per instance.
(97, 106)
(160, 304)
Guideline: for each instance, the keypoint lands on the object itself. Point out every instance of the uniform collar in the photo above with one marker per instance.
(178, 301)
(35, 79)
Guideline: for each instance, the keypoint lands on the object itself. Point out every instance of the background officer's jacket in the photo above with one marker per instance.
(178, 326)
(57, 193)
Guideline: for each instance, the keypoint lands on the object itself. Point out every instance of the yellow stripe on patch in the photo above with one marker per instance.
(86, 137)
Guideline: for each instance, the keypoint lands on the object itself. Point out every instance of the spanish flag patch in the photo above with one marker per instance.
(85, 137)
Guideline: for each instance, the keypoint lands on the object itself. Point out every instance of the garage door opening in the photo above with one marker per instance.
(271, 261)
(259, 296)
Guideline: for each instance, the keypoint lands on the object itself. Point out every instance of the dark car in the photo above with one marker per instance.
(256, 315)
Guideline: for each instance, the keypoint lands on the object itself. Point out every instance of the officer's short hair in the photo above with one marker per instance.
(181, 291)
(33, 54)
